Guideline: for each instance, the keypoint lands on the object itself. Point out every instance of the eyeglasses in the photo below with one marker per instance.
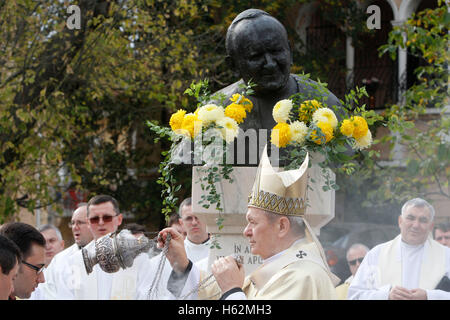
(105, 218)
(442, 237)
(35, 268)
(190, 219)
(353, 262)
(76, 223)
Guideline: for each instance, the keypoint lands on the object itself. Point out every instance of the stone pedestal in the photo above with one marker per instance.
(234, 198)
(321, 203)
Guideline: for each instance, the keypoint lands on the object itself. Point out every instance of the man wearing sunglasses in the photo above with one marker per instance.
(355, 256)
(32, 247)
(104, 217)
(410, 267)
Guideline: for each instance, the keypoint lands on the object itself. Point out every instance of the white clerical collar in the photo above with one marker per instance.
(410, 246)
(277, 255)
(189, 242)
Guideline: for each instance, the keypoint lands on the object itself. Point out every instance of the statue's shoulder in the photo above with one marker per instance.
(302, 79)
(228, 91)
(307, 84)
(313, 88)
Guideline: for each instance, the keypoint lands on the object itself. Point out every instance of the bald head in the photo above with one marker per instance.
(81, 233)
(244, 20)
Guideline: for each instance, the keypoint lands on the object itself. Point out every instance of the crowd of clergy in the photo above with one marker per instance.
(413, 265)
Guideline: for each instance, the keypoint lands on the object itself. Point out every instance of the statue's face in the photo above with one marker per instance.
(262, 53)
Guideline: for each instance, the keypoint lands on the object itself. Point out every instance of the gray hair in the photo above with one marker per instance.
(185, 202)
(356, 246)
(418, 203)
(296, 222)
(46, 227)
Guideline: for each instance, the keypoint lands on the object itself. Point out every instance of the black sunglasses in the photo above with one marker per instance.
(35, 268)
(105, 218)
(353, 262)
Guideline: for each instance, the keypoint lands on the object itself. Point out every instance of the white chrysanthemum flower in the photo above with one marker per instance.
(210, 113)
(229, 128)
(364, 142)
(281, 110)
(325, 115)
(299, 132)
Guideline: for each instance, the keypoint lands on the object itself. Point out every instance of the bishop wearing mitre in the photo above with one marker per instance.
(294, 264)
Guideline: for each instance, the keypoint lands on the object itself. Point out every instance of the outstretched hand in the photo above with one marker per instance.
(176, 253)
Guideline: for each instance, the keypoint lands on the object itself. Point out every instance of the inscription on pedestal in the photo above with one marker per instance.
(235, 244)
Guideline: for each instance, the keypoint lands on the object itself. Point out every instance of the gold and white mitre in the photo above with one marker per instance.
(285, 193)
(281, 192)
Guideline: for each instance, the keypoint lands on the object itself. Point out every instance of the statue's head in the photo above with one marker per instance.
(258, 48)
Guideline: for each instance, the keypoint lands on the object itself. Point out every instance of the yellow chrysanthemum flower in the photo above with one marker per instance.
(347, 128)
(281, 135)
(360, 127)
(191, 125)
(299, 131)
(236, 112)
(326, 129)
(177, 119)
(281, 110)
(325, 115)
(364, 142)
(248, 105)
(236, 98)
(243, 101)
(210, 113)
(228, 128)
(307, 108)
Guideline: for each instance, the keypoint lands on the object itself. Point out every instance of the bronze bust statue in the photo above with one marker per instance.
(258, 49)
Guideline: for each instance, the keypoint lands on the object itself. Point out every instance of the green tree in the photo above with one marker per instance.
(423, 169)
(325, 56)
(424, 137)
(75, 99)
